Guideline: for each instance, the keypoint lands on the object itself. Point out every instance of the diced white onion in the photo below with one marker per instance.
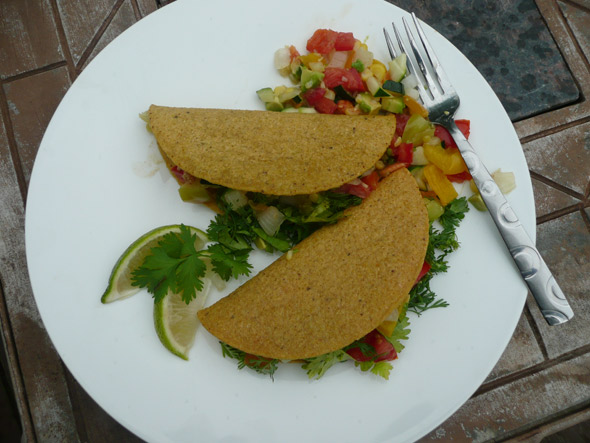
(235, 199)
(505, 181)
(409, 82)
(418, 157)
(410, 86)
(282, 58)
(338, 59)
(270, 220)
(364, 55)
(413, 93)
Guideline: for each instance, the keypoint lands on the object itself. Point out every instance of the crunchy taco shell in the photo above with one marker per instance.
(274, 153)
(339, 285)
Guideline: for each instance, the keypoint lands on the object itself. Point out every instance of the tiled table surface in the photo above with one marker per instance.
(542, 382)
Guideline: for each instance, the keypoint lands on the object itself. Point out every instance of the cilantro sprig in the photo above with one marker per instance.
(175, 265)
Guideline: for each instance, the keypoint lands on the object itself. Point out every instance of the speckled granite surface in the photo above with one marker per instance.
(510, 45)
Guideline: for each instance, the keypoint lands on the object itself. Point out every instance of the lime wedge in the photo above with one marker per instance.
(119, 285)
(176, 322)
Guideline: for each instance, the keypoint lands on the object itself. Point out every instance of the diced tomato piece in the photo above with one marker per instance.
(325, 106)
(405, 153)
(361, 190)
(181, 175)
(464, 126)
(315, 97)
(344, 41)
(442, 133)
(445, 136)
(425, 268)
(384, 351)
(349, 79)
(325, 41)
(322, 41)
(371, 180)
(293, 52)
(311, 96)
(400, 124)
(461, 177)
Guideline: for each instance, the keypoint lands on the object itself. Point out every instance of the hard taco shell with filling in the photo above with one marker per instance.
(340, 283)
(275, 153)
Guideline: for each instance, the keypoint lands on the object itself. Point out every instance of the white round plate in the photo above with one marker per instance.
(99, 183)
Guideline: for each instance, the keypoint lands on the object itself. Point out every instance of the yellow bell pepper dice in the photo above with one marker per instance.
(379, 70)
(415, 107)
(312, 57)
(387, 327)
(440, 184)
(449, 161)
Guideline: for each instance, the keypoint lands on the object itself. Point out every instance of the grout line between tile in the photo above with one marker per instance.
(560, 213)
(536, 332)
(586, 217)
(524, 431)
(535, 369)
(12, 145)
(575, 4)
(554, 130)
(136, 10)
(16, 375)
(63, 41)
(103, 27)
(573, 39)
(32, 72)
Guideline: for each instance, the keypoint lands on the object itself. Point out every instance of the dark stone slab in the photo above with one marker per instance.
(510, 45)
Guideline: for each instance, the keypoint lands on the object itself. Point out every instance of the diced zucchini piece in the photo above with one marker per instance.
(310, 79)
(342, 94)
(193, 192)
(398, 68)
(373, 85)
(433, 208)
(266, 95)
(393, 104)
(367, 103)
(477, 202)
(274, 106)
(393, 87)
(288, 94)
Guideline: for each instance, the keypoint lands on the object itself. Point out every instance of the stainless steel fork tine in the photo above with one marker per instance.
(441, 75)
(433, 87)
(412, 67)
(389, 44)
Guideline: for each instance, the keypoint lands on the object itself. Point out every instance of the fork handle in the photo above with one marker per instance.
(534, 270)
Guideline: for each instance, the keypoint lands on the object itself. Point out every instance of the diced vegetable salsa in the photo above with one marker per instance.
(337, 74)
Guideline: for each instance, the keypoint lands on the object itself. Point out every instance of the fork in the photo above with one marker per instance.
(442, 101)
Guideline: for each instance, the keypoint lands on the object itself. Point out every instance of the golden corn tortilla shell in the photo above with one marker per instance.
(274, 153)
(339, 285)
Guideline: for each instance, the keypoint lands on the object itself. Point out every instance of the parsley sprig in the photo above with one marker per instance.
(441, 243)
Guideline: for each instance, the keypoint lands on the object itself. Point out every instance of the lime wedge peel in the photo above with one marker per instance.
(176, 322)
(119, 285)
